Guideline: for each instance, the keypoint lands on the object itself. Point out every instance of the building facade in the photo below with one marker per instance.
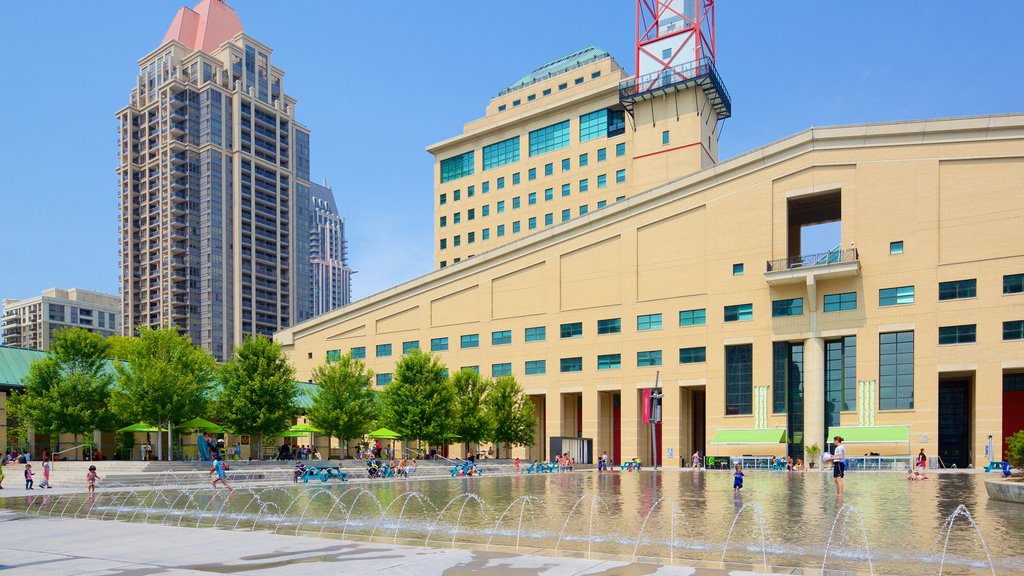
(332, 278)
(214, 188)
(909, 334)
(31, 323)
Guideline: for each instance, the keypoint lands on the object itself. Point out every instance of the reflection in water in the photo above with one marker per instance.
(883, 523)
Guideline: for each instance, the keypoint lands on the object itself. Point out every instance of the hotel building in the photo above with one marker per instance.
(31, 323)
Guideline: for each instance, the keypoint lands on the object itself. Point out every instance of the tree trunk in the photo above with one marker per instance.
(170, 441)
(159, 442)
(341, 452)
(259, 447)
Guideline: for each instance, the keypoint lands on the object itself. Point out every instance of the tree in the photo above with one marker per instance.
(164, 379)
(471, 421)
(511, 413)
(419, 403)
(345, 404)
(1015, 450)
(257, 395)
(68, 390)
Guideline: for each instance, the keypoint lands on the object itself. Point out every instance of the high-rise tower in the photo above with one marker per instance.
(214, 187)
(331, 276)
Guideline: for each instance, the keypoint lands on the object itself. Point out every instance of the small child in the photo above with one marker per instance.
(28, 476)
(90, 479)
(737, 482)
(220, 467)
(46, 475)
(515, 465)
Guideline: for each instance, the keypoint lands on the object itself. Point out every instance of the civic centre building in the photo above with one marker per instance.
(589, 242)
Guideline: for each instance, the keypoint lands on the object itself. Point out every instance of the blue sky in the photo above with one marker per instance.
(376, 92)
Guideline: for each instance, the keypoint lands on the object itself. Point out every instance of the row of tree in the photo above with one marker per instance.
(86, 383)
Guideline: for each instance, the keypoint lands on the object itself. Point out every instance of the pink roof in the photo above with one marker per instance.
(205, 27)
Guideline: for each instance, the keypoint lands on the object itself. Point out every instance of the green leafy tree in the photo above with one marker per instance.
(345, 403)
(1015, 450)
(68, 390)
(472, 424)
(510, 411)
(163, 380)
(419, 403)
(258, 390)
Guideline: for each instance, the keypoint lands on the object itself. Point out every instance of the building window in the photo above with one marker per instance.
(501, 182)
(602, 180)
(534, 367)
(457, 167)
(549, 219)
(584, 209)
(532, 223)
(571, 330)
(383, 379)
(383, 350)
(333, 355)
(620, 149)
(609, 326)
(501, 153)
(648, 358)
(515, 227)
(896, 296)
(531, 198)
(501, 108)
(485, 186)
(584, 185)
(602, 154)
(536, 334)
(896, 371)
(486, 233)
(549, 194)
(549, 138)
(444, 243)
(515, 203)
(617, 126)
(503, 369)
(500, 206)
(549, 169)
(737, 269)
(790, 307)
(515, 178)
(443, 199)
(620, 176)
(456, 195)
(359, 352)
(739, 382)
(695, 355)
(470, 191)
(578, 80)
(840, 302)
(531, 174)
(566, 190)
(546, 92)
(410, 346)
(595, 74)
(470, 341)
(571, 364)
(563, 85)
(696, 317)
(601, 204)
(565, 164)
(566, 214)
(1013, 330)
(438, 344)
(739, 312)
(457, 240)
(444, 263)
(444, 221)
(896, 247)
(501, 337)
(840, 378)
(1013, 284)
(594, 125)
(609, 362)
(664, 138)
(470, 237)
(963, 334)
(787, 379)
(583, 160)
(958, 289)
(648, 322)
(485, 210)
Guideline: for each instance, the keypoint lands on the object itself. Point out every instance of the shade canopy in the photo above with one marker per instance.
(770, 436)
(299, 430)
(140, 427)
(868, 434)
(383, 434)
(201, 424)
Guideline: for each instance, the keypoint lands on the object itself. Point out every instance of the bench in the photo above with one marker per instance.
(324, 473)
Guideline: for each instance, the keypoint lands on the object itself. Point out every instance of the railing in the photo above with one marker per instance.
(687, 73)
(835, 256)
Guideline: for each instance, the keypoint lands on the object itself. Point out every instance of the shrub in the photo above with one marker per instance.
(1015, 449)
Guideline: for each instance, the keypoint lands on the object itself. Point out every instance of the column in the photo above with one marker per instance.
(672, 435)
(552, 420)
(631, 424)
(592, 419)
(814, 392)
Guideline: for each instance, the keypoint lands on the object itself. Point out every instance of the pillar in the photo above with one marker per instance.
(552, 419)
(672, 434)
(814, 392)
(592, 419)
(631, 424)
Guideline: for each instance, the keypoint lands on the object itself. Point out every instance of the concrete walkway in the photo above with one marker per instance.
(36, 546)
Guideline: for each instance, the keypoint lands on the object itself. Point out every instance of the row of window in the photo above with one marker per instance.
(531, 199)
(601, 123)
(506, 152)
(547, 91)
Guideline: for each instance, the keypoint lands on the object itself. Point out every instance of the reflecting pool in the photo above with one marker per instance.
(884, 524)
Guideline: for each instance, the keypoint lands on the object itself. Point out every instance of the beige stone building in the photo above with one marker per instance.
(31, 322)
(906, 332)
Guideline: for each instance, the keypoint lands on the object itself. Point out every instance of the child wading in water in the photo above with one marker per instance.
(28, 476)
(90, 479)
(737, 482)
(219, 466)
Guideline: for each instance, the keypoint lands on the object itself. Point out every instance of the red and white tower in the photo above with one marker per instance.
(674, 38)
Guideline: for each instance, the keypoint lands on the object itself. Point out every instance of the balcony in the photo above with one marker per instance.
(699, 73)
(808, 268)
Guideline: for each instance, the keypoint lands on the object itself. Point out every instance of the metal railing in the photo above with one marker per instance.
(700, 71)
(835, 256)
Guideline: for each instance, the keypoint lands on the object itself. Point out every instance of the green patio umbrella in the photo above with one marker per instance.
(201, 424)
(299, 430)
(383, 434)
(140, 427)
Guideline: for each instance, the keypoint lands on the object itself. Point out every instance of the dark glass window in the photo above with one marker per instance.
(571, 364)
(963, 334)
(739, 382)
(790, 307)
(438, 344)
(609, 326)
(571, 330)
(896, 371)
(839, 302)
(958, 289)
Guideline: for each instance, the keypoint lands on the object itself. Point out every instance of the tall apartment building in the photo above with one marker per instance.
(332, 278)
(214, 187)
(31, 323)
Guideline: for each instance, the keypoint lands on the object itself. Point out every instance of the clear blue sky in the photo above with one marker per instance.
(377, 86)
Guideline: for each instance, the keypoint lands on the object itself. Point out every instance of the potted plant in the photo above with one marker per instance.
(813, 452)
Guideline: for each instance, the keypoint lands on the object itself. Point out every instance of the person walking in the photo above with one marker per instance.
(922, 460)
(737, 482)
(90, 480)
(839, 464)
(696, 459)
(28, 476)
(46, 475)
(2, 472)
(220, 468)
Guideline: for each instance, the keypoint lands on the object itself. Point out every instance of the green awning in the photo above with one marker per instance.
(772, 436)
(202, 425)
(871, 433)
